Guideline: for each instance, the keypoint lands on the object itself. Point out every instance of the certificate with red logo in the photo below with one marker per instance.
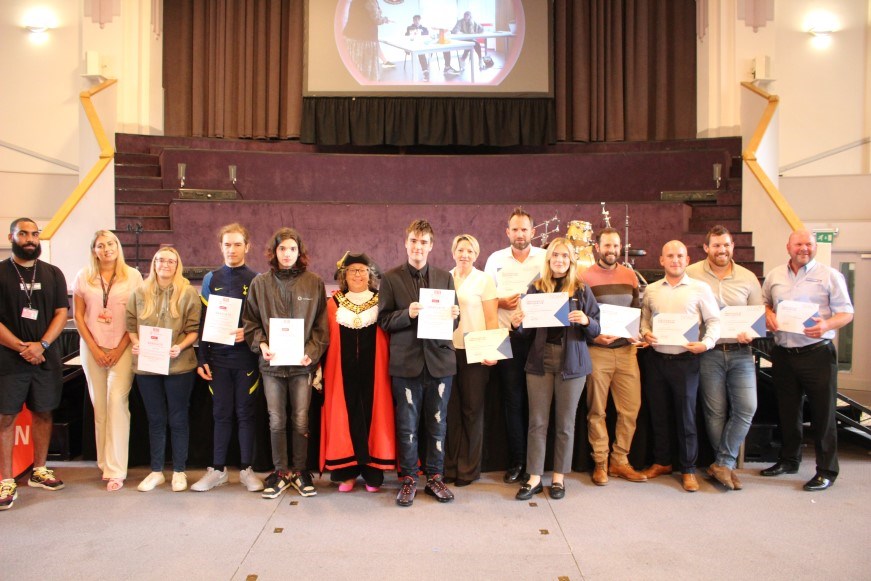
(154, 346)
(287, 341)
(435, 320)
(222, 320)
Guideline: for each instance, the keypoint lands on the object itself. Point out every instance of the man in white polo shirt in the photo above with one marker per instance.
(518, 263)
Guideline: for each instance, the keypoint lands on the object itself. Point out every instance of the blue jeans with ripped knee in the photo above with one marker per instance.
(413, 397)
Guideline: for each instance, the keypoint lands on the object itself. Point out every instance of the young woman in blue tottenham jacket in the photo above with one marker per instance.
(557, 367)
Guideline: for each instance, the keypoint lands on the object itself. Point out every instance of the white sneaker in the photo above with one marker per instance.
(249, 480)
(150, 481)
(179, 481)
(211, 479)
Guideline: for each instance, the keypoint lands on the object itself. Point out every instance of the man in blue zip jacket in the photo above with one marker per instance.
(231, 370)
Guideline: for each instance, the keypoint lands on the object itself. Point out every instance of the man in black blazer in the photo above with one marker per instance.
(422, 369)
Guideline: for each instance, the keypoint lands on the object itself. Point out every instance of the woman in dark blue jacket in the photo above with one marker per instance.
(557, 367)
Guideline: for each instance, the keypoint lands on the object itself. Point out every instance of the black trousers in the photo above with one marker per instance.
(815, 374)
(671, 387)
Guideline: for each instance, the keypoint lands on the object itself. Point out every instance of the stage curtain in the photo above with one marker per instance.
(427, 121)
(233, 68)
(624, 70)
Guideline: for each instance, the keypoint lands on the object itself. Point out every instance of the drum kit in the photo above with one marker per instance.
(580, 234)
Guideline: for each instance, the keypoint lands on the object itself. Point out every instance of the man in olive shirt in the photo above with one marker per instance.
(727, 372)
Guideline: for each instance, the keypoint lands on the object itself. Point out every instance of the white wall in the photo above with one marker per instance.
(824, 93)
(39, 94)
(42, 113)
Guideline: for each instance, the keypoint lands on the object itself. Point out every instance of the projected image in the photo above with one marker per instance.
(429, 42)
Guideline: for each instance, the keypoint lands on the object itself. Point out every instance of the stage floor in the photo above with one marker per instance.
(771, 529)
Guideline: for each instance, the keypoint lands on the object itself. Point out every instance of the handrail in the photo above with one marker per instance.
(39, 156)
(107, 153)
(824, 154)
(749, 158)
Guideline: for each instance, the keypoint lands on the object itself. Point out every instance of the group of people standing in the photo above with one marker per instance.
(380, 380)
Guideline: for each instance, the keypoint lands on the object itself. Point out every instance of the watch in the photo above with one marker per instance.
(45, 345)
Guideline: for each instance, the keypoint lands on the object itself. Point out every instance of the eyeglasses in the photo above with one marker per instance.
(358, 271)
(169, 261)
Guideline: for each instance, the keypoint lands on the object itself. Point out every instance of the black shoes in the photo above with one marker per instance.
(780, 468)
(557, 490)
(818, 482)
(405, 497)
(435, 487)
(515, 474)
(526, 491)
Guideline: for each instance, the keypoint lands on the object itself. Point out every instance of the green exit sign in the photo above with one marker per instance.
(825, 237)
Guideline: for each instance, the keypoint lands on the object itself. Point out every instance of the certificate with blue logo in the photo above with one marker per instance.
(676, 328)
(545, 310)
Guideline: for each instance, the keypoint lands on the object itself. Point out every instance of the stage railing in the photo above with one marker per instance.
(107, 153)
(752, 162)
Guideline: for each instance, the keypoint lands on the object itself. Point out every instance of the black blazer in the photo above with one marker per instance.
(408, 354)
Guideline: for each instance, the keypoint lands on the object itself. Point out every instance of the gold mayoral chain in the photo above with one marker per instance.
(356, 309)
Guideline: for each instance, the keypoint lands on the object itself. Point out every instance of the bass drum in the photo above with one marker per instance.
(580, 234)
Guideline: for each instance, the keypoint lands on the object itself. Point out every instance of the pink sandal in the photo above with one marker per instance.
(347, 485)
(115, 484)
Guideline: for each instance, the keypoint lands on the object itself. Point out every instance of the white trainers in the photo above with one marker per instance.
(211, 479)
(150, 481)
(179, 481)
(249, 480)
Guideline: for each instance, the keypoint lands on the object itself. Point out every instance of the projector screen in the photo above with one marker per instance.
(428, 47)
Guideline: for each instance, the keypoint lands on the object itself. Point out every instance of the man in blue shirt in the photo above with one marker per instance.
(807, 363)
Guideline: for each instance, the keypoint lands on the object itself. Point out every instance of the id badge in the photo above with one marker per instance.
(105, 317)
(28, 313)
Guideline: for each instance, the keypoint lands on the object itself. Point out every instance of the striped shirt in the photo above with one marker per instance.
(688, 296)
(613, 286)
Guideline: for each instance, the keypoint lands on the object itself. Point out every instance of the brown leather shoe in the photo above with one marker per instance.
(626, 471)
(735, 482)
(690, 484)
(722, 474)
(655, 470)
(600, 474)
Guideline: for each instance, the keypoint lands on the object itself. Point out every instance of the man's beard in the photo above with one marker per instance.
(609, 259)
(26, 254)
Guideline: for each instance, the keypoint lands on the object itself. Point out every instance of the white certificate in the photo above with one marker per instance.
(748, 319)
(491, 345)
(435, 320)
(514, 279)
(676, 328)
(154, 346)
(287, 341)
(545, 310)
(796, 316)
(619, 321)
(222, 320)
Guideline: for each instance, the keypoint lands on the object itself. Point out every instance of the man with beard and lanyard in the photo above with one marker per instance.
(727, 373)
(33, 312)
(615, 365)
(527, 261)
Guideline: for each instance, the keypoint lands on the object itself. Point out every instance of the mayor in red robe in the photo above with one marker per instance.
(357, 429)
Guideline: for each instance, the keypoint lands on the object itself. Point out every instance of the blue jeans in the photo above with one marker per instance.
(167, 399)
(728, 388)
(412, 397)
(277, 391)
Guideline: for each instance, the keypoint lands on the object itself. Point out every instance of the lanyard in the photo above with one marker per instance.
(28, 291)
(106, 290)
